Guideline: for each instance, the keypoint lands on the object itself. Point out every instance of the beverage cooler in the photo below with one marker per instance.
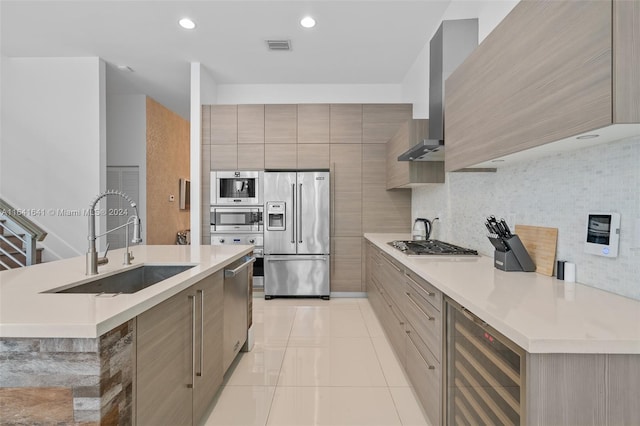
(485, 372)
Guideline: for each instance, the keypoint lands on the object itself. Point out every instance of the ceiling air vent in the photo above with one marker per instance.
(279, 44)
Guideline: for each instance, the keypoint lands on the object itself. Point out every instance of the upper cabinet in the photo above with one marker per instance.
(346, 123)
(251, 124)
(224, 124)
(381, 121)
(549, 71)
(280, 124)
(405, 174)
(313, 123)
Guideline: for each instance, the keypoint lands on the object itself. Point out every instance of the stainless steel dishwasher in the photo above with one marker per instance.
(236, 300)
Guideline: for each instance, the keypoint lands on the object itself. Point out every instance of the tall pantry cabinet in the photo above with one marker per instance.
(348, 139)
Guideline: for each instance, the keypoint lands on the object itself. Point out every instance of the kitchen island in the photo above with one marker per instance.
(579, 346)
(71, 358)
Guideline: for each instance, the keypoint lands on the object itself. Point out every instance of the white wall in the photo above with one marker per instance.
(127, 141)
(304, 93)
(556, 191)
(53, 133)
(199, 81)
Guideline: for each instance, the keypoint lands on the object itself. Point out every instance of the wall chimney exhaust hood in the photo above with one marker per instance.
(449, 47)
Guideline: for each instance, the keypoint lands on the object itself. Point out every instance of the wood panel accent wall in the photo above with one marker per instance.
(167, 162)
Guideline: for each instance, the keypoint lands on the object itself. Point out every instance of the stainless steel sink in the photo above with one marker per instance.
(129, 281)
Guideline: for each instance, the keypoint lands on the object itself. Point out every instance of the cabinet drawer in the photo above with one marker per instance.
(425, 321)
(392, 276)
(424, 289)
(425, 375)
(393, 323)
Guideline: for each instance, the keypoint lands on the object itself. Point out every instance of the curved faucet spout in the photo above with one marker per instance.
(92, 255)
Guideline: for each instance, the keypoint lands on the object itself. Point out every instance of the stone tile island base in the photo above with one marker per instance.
(69, 380)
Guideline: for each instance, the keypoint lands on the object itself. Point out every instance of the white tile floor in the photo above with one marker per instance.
(316, 362)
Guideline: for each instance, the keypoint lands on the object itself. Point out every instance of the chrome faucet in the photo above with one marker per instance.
(93, 261)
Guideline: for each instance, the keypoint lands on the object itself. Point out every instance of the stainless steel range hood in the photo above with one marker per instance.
(449, 47)
(427, 150)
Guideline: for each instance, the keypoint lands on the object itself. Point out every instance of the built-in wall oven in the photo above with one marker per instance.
(236, 188)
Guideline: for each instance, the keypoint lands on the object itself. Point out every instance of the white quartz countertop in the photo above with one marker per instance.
(540, 314)
(25, 311)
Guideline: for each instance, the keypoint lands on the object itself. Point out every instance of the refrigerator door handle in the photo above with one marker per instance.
(300, 214)
(293, 202)
(295, 258)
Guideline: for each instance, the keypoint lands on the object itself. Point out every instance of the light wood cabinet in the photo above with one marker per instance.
(382, 210)
(313, 124)
(314, 156)
(164, 343)
(405, 174)
(381, 121)
(251, 124)
(280, 124)
(346, 168)
(179, 355)
(224, 124)
(346, 123)
(346, 264)
(209, 310)
(548, 71)
(410, 312)
(251, 156)
(280, 156)
(206, 125)
(224, 157)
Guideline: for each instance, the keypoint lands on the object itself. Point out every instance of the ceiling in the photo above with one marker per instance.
(354, 42)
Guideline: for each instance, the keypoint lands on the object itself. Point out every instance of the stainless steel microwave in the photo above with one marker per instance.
(236, 188)
(236, 219)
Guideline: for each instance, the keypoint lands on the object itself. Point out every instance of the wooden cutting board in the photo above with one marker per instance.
(541, 244)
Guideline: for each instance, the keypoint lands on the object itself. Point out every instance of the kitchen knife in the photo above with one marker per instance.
(489, 228)
(494, 225)
(506, 228)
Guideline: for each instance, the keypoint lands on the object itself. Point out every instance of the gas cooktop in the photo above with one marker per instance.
(431, 247)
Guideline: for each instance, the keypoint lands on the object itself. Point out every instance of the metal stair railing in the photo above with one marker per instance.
(29, 233)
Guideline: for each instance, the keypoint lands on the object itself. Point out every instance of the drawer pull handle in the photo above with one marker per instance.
(392, 264)
(429, 317)
(429, 366)
(428, 293)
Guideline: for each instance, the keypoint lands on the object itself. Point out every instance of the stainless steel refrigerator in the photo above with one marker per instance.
(296, 234)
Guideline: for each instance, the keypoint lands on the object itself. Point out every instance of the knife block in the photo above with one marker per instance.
(511, 255)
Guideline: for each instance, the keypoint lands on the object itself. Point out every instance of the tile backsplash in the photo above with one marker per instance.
(556, 191)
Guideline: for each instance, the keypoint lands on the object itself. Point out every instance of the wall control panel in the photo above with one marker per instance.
(603, 234)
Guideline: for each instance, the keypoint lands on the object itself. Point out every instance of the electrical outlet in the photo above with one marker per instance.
(511, 220)
(172, 198)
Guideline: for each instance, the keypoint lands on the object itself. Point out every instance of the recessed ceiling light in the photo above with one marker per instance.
(497, 161)
(308, 22)
(187, 23)
(588, 136)
(125, 68)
